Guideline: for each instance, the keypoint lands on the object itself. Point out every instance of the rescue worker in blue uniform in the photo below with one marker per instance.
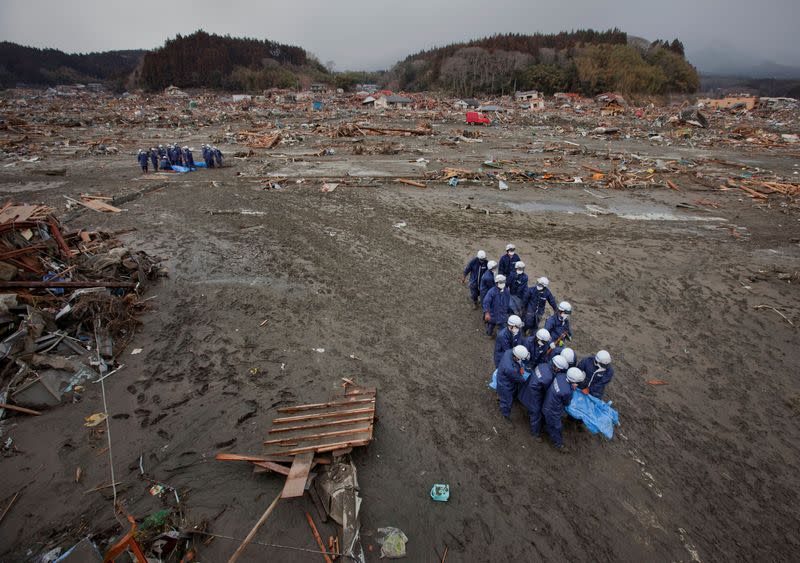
(510, 374)
(533, 392)
(164, 163)
(509, 337)
(142, 157)
(533, 304)
(556, 400)
(518, 285)
(474, 271)
(558, 324)
(537, 345)
(495, 305)
(507, 260)
(154, 157)
(188, 158)
(599, 373)
(567, 353)
(487, 280)
(217, 154)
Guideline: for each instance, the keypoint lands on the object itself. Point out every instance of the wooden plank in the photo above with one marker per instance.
(272, 466)
(99, 205)
(295, 439)
(56, 232)
(19, 409)
(16, 213)
(351, 392)
(320, 424)
(252, 533)
(326, 447)
(37, 283)
(411, 183)
(315, 406)
(335, 414)
(253, 458)
(298, 475)
(317, 537)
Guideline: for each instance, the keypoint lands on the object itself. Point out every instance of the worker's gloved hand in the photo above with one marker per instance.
(585, 391)
(463, 281)
(487, 317)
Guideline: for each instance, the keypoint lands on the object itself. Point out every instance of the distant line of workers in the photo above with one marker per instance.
(533, 365)
(165, 157)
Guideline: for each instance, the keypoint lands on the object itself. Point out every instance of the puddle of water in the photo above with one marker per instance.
(629, 211)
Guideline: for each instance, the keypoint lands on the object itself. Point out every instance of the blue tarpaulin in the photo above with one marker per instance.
(199, 164)
(596, 415)
(493, 382)
(181, 169)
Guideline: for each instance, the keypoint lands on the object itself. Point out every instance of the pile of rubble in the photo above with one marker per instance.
(68, 306)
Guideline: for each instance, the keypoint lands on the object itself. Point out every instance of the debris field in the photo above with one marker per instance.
(265, 335)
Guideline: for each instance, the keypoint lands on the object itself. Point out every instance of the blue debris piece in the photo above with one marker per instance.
(596, 415)
(493, 382)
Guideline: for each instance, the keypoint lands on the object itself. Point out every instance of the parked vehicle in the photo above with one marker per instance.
(477, 118)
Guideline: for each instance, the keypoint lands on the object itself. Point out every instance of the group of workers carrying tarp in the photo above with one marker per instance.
(174, 158)
(532, 365)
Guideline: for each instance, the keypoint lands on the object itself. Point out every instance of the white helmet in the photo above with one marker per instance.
(543, 334)
(499, 278)
(514, 320)
(481, 255)
(560, 362)
(510, 247)
(603, 357)
(186, 147)
(519, 265)
(491, 265)
(574, 375)
(565, 307)
(543, 281)
(521, 353)
(569, 355)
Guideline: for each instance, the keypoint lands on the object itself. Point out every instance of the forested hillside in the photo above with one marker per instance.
(203, 60)
(584, 61)
(47, 67)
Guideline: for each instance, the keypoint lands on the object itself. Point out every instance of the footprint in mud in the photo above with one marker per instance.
(131, 389)
(487, 485)
(121, 416)
(142, 412)
(141, 398)
(164, 434)
(488, 537)
(471, 465)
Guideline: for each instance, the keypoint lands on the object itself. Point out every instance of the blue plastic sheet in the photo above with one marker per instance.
(596, 415)
(199, 164)
(493, 382)
(181, 169)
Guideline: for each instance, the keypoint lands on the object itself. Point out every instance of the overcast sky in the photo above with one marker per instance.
(373, 34)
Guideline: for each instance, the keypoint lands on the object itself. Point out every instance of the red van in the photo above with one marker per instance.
(475, 117)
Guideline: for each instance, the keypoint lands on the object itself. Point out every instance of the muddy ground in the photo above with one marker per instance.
(701, 469)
